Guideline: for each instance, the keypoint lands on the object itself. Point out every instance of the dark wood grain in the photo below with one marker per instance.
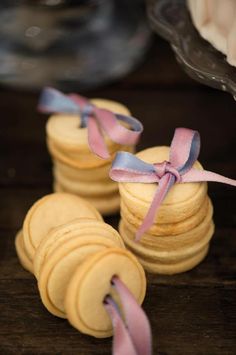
(192, 313)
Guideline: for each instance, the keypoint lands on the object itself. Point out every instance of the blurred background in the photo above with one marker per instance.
(70, 44)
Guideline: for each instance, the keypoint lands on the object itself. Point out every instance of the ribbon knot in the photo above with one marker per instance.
(166, 168)
(98, 121)
(184, 151)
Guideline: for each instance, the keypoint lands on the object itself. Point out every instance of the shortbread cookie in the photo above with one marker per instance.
(106, 205)
(65, 129)
(20, 251)
(168, 256)
(80, 228)
(81, 160)
(87, 188)
(94, 174)
(91, 283)
(168, 228)
(168, 242)
(60, 265)
(171, 269)
(182, 201)
(51, 211)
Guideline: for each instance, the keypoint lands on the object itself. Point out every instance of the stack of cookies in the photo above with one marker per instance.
(74, 261)
(179, 238)
(77, 170)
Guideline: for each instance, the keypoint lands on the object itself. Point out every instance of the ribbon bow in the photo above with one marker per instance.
(97, 120)
(134, 337)
(184, 151)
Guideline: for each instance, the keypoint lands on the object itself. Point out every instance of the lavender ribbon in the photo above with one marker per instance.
(184, 151)
(134, 337)
(97, 120)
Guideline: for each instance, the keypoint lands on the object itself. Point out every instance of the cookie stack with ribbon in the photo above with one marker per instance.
(166, 214)
(83, 270)
(83, 137)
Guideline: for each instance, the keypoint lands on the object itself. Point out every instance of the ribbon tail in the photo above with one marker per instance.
(165, 184)
(136, 319)
(195, 175)
(118, 133)
(122, 342)
(96, 140)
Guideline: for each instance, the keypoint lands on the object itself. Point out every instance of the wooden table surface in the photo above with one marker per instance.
(191, 313)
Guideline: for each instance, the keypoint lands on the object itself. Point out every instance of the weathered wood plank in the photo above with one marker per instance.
(185, 320)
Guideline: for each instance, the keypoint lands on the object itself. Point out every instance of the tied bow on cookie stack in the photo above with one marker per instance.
(166, 212)
(83, 137)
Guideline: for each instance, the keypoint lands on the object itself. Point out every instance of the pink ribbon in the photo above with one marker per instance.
(97, 120)
(184, 151)
(132, 337)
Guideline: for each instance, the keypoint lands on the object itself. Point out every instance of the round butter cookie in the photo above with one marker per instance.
(83, 228)
(60, 265)
(168, 256)
(20, 251)
(51, 211)
(171, 269)
(106, 205)
(169, 242)
(87, 188)
(93, 174)
(81, 160)
(91, 283)
(78, 160)
(168, 228)
(182, 201)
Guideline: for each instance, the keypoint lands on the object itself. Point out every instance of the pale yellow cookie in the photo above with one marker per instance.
(20, 251)
(182, 201)
(106, 205)
(171, 269)
(80, 227)
(88, 188)
(92, 174)
(168, 228)
(81, 160)
(51, 211)
(60, 265)
(168, 256)
(78, 161)
(65, 129)
(91, 283)
(169, 242)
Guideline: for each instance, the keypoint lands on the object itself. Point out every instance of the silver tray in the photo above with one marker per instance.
(171, 20)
